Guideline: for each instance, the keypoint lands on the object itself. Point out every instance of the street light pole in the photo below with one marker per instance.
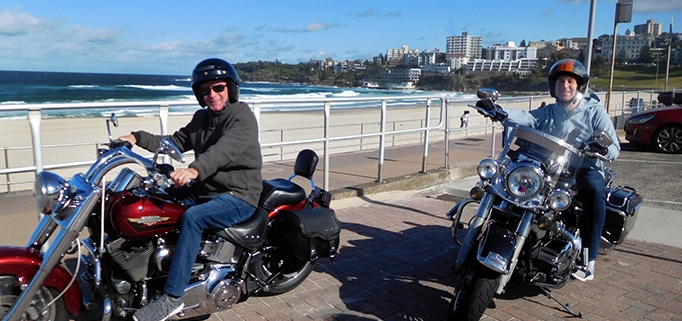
(590, 35)
(613, 65)
(623, 14)
(670, 44)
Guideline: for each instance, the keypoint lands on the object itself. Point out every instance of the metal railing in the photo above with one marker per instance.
(438, 121)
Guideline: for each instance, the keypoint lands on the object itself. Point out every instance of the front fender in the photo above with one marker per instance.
(24, 262)
(496, 250)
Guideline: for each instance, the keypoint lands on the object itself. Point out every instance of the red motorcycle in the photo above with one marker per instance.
(131, 227)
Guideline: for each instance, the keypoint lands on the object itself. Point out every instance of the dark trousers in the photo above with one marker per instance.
(592, 193)
(219, 212)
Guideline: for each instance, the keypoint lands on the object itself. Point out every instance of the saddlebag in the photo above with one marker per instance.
(308, 234)
(622, 206)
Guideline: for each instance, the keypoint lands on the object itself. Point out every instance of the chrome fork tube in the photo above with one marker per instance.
(474, 230)
(522, 232)
(42, 233)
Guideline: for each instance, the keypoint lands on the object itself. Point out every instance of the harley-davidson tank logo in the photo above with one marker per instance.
(148, 220)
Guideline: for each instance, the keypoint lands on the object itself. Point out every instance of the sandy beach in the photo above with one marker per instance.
(81, 135)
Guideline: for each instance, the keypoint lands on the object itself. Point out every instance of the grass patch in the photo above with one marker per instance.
(644, 78)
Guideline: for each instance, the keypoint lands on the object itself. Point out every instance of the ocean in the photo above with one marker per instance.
(30, 87)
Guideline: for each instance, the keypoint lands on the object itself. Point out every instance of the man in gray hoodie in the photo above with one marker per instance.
(226, 172)
(578, 114)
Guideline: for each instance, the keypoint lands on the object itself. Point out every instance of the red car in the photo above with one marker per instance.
(660, 128)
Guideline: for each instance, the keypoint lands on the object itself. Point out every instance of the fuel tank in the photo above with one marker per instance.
(134, 216)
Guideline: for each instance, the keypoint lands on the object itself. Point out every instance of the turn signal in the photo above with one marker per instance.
(477, 193)
(545, 223)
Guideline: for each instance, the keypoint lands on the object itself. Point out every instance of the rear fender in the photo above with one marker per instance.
(496, 249)
(24, 262)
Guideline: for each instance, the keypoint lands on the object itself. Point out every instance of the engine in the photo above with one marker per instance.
(556, 256)
(213, 287)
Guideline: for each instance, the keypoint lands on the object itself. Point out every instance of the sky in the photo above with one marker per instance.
(170, 37)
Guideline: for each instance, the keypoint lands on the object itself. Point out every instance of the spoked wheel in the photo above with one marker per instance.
(288, 271)
(10, 288)
(668, 139)
(470, 302)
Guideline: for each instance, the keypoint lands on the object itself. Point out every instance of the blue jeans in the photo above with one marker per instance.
(593, 195)
(220, 211)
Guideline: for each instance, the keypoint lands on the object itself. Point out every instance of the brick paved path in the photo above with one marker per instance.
(395, 262)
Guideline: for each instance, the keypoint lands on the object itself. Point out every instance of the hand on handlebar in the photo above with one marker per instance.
(596, 148)
(184, 176)
(487, 108)
(597, 151)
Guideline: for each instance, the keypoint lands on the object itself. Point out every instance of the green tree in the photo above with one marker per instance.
(620, 57)
(523, 43)
(645, 55)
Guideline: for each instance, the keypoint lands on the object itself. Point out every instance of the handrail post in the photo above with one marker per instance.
(492, 144)
(426, 134)
(163, 119)
(327, 112)
(530, 103)
(447, 132)
(34, 119)
(256, 112)
(382, 141)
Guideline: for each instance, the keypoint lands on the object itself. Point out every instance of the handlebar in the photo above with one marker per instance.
(596, 155)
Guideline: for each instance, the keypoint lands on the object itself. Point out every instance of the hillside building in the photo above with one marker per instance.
(469, 46)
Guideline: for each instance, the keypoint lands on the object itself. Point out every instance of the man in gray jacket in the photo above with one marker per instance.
(580, 116)
(226, 172)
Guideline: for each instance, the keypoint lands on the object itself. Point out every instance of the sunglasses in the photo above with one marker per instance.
(207, 90)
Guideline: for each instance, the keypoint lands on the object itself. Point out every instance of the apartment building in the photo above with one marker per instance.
(469, 46)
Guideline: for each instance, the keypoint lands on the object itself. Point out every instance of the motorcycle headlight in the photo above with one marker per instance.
(487, 168)
(559, 200)
(524, 182)
(46, 191)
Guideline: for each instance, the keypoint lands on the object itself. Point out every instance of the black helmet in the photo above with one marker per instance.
(214, 69)
(569, 67)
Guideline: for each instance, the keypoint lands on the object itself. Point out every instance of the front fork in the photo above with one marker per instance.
(475, 230)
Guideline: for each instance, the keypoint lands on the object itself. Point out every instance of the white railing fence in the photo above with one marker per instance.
(329, 128)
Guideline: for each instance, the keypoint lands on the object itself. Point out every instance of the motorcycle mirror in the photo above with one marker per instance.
(112, 119)
(488, 93)
(602, 138)
(169, 148)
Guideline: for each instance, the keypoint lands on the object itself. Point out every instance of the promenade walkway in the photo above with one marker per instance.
(396, 252)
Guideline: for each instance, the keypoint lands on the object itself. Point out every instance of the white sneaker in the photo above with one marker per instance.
(587, 275)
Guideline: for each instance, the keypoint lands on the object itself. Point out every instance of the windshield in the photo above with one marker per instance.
(559, 159)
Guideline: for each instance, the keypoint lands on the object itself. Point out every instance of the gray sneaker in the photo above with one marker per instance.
(161, 309)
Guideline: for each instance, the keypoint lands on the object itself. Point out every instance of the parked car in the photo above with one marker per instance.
(660, 128)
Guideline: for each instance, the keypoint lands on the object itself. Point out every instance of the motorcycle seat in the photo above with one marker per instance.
(279, 192)
(248, 234)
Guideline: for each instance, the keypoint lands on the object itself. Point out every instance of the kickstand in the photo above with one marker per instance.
(548, 293)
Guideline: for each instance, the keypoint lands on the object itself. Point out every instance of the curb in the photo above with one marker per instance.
(415, 181)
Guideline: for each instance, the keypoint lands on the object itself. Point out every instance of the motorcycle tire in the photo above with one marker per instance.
(470, 302)
(292, 272)
(10, 288)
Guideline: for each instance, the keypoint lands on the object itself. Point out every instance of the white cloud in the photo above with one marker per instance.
(21, 24)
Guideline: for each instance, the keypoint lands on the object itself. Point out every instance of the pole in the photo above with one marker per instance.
(670, 43)
(613, 65)
(590, 35)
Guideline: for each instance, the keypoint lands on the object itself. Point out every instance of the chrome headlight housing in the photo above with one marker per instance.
(559, 200)
(46, 191)
(487, 168)
(524, 182)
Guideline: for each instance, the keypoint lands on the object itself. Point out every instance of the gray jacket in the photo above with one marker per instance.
(226, 148)
(588, 117)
